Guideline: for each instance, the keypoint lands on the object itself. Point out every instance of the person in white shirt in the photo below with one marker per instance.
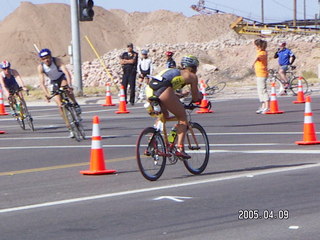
(144, 68)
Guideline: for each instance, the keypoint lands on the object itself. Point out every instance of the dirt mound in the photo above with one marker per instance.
(48, 25)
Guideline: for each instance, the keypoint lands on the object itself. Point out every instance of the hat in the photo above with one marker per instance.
(282, 44)
(130, 45)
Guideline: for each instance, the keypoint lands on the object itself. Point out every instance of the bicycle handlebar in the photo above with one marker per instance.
(57, 92)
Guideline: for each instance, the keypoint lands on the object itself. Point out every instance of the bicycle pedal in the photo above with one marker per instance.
(194, 148)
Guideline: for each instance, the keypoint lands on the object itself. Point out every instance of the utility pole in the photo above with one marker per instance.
(76, 52)
(262, 11)
(294, 13)
(304, 13)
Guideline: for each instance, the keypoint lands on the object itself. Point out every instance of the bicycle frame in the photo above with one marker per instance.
(162, 119)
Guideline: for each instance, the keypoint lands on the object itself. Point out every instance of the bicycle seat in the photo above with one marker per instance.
(293, 67)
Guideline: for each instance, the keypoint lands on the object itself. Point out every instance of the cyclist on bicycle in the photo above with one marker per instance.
(59, 76)
(8, 79)
(170, 62)
(285, 59)
(163, 86)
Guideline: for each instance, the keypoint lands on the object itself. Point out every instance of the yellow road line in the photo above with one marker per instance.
(57, 167)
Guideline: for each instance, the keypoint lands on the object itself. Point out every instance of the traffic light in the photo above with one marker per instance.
(86, 12)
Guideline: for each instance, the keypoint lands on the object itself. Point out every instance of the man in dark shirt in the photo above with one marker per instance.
(129, 61)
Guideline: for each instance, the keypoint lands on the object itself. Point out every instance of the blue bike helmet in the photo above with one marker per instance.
(44, 52)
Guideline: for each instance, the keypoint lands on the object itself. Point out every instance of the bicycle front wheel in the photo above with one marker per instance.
(70, 120)
(151, 154)
(294, 85)
(27, 115)
(279, 88)
(198, 148)
(20, 117)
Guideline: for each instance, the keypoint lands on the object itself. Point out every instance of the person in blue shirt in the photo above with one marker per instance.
(170, 62)
(285, 59)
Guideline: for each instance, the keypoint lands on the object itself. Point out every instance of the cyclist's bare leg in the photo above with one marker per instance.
(171, 102)
(283, 76)
(69, 92)
(57, 99)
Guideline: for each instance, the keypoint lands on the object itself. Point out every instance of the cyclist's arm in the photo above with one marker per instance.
(42, 81)
(18, 78)
(276, 55)
(5, 90)
(292, 59)
(192, 79)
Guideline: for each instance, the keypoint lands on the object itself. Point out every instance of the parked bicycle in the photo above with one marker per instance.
(70, 116)
(154, 146)
(293, 82)
(216, 88)
(20, 110)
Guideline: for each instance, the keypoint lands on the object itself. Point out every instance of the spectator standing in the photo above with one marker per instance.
(261, 69)
(129, 61)
(144, 66)
(285, 59)
(170, 62)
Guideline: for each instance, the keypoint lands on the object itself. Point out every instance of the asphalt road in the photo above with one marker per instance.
(255, 171)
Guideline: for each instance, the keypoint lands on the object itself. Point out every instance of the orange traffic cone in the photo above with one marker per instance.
(309, 133)
(300, 95)
(2, 108)
(122, 102)
(204, 102)
(108, 96)
(274, 109)
(97, 165)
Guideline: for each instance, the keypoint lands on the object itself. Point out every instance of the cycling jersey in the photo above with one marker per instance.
(167, 78)
(53, 72)
(284, 56)
(10, 82)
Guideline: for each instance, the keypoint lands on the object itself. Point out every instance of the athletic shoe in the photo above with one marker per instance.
(265, 110)
(182, 154)
(71, 134)
(259, 111)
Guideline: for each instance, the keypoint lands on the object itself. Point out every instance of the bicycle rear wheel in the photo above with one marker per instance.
(219, 86)
(151, 154)
(294, 85)
(198, 148)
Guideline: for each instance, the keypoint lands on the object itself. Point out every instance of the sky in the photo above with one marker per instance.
(274, 10)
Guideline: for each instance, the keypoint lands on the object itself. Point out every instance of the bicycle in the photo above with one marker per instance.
(20, 110)
(154, 146)
(70, 116)
(293, 82)
(216, 88)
